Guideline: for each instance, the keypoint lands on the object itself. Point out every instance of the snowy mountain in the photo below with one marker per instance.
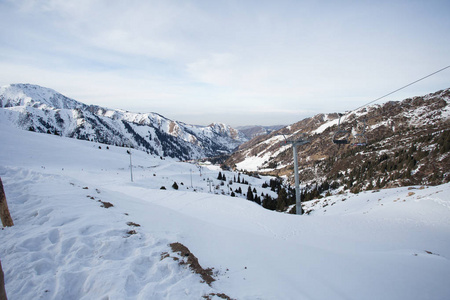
(83, 230)
(40, 109)
(408, 142)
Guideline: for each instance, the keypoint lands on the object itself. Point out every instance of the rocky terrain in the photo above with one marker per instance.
(408, 142)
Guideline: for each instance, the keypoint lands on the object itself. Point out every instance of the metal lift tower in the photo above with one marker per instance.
(299, 142)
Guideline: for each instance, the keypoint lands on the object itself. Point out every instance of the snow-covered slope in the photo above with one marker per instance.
(35, 108)
(33, 95)
(65, 244)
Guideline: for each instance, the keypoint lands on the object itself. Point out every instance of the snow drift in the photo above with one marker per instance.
(386, 244)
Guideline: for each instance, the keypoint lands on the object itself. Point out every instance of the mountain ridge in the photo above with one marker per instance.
(410, 139)
(43, 109)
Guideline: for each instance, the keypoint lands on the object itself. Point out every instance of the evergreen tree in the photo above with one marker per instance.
(250, 194)
(269, 203)
(281, 200)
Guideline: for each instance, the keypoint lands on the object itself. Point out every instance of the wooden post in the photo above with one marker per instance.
(4, 211)
(2, 284)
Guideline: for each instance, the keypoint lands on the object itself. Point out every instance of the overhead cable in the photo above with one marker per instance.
(404, 87)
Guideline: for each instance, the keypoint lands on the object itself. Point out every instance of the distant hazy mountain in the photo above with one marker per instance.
(40, 109)
(252, 131)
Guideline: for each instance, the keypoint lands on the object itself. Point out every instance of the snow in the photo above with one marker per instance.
(31, 106)
(255, 163)
(324, 126)
(252, 163)
(387, 244)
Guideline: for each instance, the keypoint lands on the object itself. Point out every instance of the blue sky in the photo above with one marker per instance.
(237, 62)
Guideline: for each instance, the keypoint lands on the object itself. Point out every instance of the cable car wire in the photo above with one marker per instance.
(345, 138)
(429, 75)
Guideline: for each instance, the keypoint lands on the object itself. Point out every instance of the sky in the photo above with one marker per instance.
(236, 62)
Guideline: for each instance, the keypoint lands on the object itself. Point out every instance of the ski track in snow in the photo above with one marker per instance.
(83, 256)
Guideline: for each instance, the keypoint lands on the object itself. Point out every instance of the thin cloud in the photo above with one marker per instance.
(164, 56)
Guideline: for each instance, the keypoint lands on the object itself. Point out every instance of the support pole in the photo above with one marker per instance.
(4, 211)
(131, 166)
(298, 202)
(2, 284)
(209, 183)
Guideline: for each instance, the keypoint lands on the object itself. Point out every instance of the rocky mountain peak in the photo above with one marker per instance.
(40, 109)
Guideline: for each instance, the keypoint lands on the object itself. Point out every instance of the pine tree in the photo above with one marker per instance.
(250, 194)
(269, 203)
(175, 186)
(282, 199)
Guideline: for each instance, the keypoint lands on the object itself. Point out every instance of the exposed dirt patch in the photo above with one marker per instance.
(133, 224)
(106, 204)
(192, 261)
(131, 232)
(220, 295)
(164, 255)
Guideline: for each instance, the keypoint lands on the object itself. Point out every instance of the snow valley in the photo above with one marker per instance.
(83, 230)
